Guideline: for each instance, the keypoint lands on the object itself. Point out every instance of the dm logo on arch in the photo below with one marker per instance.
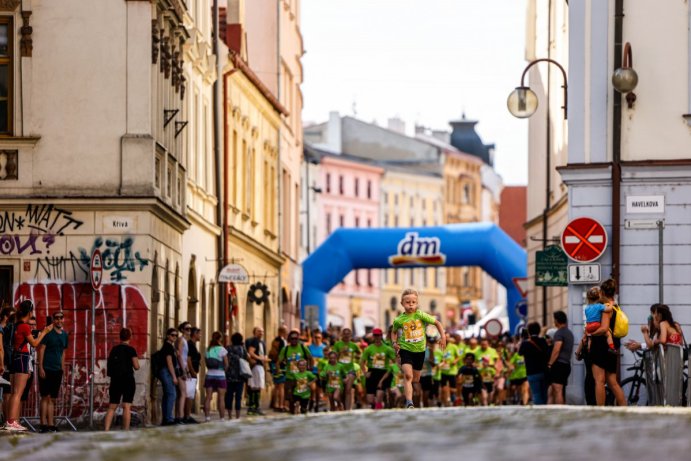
(414, 250)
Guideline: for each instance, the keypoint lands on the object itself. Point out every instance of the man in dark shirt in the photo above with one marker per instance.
(51, 362)
(559, 363)
(534, 349)
(256, 350)
(195, 358)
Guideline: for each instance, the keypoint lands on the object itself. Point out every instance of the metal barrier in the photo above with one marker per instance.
(664, 367)
(31, 407)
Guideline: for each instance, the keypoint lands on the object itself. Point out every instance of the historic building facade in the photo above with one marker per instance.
(82, 173)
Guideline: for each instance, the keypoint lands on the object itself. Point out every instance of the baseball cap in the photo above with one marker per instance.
(377, 331)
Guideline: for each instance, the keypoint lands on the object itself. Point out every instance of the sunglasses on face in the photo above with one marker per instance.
(174, 335)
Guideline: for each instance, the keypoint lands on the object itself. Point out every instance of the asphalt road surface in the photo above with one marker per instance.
(501, 433)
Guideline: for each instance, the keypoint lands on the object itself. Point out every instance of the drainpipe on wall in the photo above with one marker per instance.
(616, 143)
(219, 163)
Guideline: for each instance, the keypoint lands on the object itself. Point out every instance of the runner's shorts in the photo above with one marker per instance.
(448, 379)
(416, 359)
(489, 387)
(50, 385)
(372, 383)
(426, 383)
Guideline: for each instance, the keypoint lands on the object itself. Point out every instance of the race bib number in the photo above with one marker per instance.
(346, 356)
(301, 387)
(468, 380)
(293, 367)
(379, 360)
(334, 380)
(413, 332)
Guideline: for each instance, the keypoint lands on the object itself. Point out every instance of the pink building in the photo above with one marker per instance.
(350, 198)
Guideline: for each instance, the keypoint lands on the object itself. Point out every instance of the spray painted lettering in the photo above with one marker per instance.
(9, 243)
(69, 267)
(44, 219)
(118, 257)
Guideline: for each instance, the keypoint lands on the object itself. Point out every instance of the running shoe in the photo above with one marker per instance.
(4, 382)
(409, 404)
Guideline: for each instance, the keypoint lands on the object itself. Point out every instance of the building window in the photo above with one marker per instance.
(341, 186)
(328, 183)
(157, 172)
(386, 220)
(395, 276)
(356, 187)
(369, 278)
(436, 277)
(6, 73)
(328, 224)
(369, 223)
(369, 189)
(386, 195)
(466, 278)
(466, 193)
(341, 221)
(169, 181)
(357, 221)
(395, 221)
(357, 277)
(412, 277)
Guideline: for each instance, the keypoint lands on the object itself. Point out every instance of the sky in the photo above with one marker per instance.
(424, 61)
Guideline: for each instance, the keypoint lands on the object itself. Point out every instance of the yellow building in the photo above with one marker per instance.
(252, 116)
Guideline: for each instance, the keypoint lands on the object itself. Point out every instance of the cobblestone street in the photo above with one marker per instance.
(507, 433)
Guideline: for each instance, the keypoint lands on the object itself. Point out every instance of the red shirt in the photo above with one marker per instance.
(21, 344)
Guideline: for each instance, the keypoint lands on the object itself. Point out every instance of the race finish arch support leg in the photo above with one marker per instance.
(454, 245)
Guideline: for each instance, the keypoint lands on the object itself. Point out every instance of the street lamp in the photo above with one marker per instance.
(625, 78)
(522, 103)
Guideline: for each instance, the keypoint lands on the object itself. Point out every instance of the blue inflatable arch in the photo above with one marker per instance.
(475, 244)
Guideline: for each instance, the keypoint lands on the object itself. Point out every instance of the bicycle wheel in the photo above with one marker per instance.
(635, 391)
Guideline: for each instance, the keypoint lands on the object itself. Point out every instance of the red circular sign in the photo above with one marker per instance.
(584, 240)
(96, 269)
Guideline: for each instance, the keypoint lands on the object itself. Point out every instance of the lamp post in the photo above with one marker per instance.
(522, 103)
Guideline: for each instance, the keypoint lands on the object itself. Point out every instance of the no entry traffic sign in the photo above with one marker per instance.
(96, 269)
(584, 239)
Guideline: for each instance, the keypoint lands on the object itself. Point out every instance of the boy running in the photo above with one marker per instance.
(410, 345)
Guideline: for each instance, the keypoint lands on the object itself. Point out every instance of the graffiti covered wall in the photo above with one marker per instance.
(50, 248)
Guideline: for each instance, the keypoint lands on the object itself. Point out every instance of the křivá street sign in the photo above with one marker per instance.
(584, 273)
(96, 269)
(584, 240)
(233, 273)
(550, 267)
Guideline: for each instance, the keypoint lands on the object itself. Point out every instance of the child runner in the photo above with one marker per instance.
(519, 379)
(375, 363)
(348, 354)
(488, 372)
(333, 374)
(449, 370)
(303, 386)
(410, 345)
(471, 379)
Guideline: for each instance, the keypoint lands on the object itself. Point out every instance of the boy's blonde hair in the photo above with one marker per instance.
(409, 291)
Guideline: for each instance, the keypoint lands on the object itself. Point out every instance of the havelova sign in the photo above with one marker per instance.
(416, 250)
(233, 273)
(645, 204)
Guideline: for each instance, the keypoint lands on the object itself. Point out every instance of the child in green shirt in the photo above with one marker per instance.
(304, 380)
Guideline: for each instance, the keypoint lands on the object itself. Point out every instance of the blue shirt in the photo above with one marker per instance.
(593, 312)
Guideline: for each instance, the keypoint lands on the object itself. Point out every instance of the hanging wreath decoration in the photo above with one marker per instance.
(258, 293)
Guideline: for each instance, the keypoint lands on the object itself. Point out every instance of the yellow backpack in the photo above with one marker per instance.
(621, 322)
